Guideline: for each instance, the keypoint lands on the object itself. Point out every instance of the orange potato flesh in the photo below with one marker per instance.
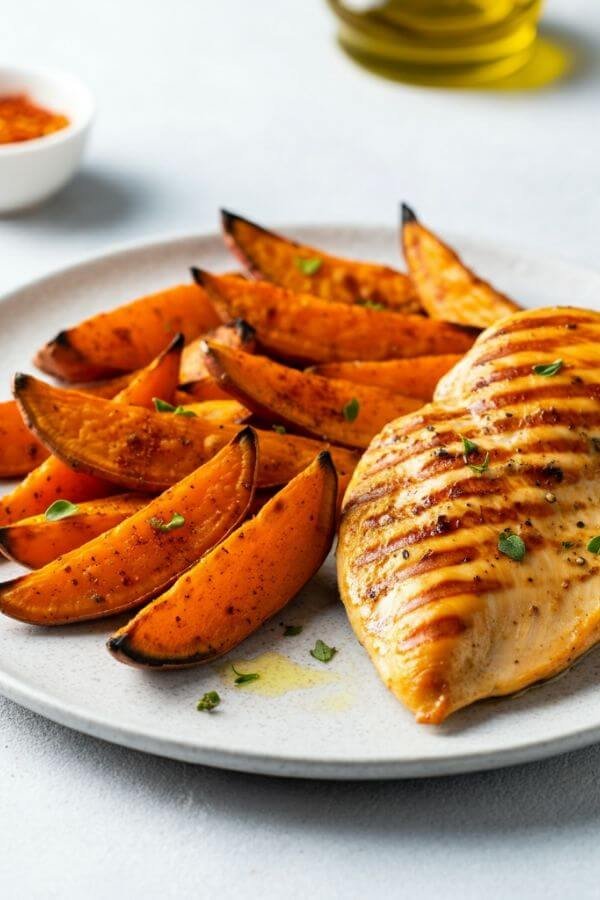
(34, 542)
(148, 451)
(233, 334)
(241, 583)
(447, 288)
(417, 377)
(302, 328)
(135, 560)
(128, 337)
(55, 479)
(219, 412)
(320, 406)
(278, 259)
(20, 450)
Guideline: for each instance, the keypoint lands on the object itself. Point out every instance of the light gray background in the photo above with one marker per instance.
(251, 105)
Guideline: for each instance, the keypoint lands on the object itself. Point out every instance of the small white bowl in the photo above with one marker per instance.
(31, 171)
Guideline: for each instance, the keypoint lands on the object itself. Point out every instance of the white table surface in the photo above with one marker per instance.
(251, 105)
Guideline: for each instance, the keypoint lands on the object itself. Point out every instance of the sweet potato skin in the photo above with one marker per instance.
(148, 451)
(134, 561)
(236, 587)
(129, 337)
(415, 377)
(55, 479)
(275, 258)
(35, 542)
(315, 404)
(304, 329)
(449, 291)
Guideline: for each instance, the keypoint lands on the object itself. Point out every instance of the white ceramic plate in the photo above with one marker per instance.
(348, 727)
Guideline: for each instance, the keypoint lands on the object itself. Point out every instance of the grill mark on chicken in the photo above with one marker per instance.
(444, 627)
(488, 515)
(535, 394)
(557, 320)
(543, 345)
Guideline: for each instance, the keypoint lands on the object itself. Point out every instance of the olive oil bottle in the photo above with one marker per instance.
(454, 42)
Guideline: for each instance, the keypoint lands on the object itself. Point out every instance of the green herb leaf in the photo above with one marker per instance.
(566, 545)
(162, 405)
(177, 521)
(594, 544)
(209, 701)
(549, 369)
(468, 446)
(292, 630)
(483, 467)
(280, 429)
(371, 304)
(322, 652)
(310, 265)
(60, 509)
(245, 677)
(512, 546)
(351, 410)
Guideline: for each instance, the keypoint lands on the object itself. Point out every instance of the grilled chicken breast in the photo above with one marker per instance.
(446, 616)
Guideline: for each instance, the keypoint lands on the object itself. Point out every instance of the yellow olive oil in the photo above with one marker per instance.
(454, 42)
(278, 675)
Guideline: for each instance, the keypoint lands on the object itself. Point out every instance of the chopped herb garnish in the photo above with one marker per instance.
(280, 429)
(245, 677)
(292, 630)
(566, 545)
(351, 410)
(60, 509)
(177, 520)
(164, 407)
(309, 266)
(371, 304)
(322, 652)
(468, 447)
(483, 467)
(209, 701)
(549, 369)
(512, 546)
(594, 544)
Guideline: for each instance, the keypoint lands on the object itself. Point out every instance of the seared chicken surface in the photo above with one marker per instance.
(446, 617)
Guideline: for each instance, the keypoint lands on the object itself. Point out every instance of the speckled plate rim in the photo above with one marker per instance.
(286, 765)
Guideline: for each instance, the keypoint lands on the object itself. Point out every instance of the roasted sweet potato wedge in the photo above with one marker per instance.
(416, 377)
(335, 410)
(219, 412)
(148, 451)
(193, 364)
(302, 328)
(55, 479)
(129, 337)
(20, 450)
(236, 587)
(34, 542)
(448, 289)
(137, 559)
(306, 270)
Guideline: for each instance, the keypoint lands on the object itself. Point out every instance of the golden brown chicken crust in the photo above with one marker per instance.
(446, 617)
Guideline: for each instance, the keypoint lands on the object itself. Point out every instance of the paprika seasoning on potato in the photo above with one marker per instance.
(23, 120)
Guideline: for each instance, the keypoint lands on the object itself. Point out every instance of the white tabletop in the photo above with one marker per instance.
(252, 106)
